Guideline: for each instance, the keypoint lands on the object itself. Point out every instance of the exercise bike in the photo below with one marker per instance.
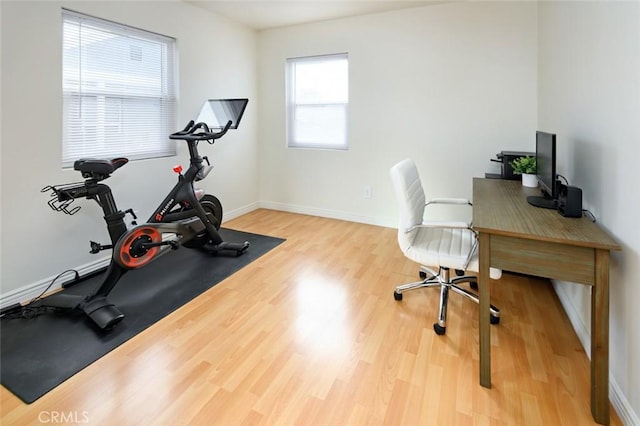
(186, 217)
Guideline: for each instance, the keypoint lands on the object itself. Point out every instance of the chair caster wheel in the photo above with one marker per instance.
(494, 320)
(422, 274)
(397, 296)
(439, 330)
(460, 272)
(473, 285)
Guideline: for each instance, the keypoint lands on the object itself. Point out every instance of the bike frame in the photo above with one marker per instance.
(183, 193)
(186, 222)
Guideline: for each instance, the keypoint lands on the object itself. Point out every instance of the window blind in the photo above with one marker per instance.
(317, 101)
(119, 90)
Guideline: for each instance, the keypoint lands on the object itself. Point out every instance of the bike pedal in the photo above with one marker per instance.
(97, 247)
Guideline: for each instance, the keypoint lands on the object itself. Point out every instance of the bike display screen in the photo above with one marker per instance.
(216, 113)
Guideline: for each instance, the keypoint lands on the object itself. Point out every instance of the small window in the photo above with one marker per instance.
(119, 91)
(317, 101)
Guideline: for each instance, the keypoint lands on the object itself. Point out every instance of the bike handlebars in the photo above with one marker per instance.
(189, 132)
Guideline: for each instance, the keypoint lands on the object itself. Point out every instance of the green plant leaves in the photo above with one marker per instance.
(524, 165)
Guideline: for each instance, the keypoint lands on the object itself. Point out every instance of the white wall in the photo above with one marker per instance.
(449, 85)
(589, 94)
(216, 59)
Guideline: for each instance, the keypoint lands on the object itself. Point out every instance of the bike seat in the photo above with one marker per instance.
(98, 168)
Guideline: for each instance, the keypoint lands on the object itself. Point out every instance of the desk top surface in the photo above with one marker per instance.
(501, 207)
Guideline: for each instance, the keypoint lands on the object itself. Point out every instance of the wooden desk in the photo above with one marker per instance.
(518, 237)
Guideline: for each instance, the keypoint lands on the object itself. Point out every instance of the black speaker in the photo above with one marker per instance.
(570, 201)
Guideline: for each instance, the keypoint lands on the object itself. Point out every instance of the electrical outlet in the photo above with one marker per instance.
(366, 191)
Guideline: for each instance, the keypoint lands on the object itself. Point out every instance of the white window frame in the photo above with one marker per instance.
(294, 107)
(107, 111)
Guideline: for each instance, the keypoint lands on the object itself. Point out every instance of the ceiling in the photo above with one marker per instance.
(265, 14)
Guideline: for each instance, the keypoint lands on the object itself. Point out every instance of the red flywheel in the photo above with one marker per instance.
(131, 251)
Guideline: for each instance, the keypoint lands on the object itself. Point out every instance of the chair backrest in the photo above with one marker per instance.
(411, 200)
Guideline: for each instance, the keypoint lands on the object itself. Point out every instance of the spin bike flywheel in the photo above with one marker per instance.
(130, 251)
(213, 208)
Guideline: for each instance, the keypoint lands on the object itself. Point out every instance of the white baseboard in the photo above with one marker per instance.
(616, 396)
(621, 405)
(314, 211)
(28, 292)
(232, 214)
(581, 329)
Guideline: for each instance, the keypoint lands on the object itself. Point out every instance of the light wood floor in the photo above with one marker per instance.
(310, 334)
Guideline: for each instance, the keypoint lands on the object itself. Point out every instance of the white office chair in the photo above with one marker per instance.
(446, 245)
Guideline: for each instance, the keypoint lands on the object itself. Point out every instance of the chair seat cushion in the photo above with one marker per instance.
(446, 247)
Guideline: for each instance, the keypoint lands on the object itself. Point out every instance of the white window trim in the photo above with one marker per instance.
(154, 146)
(291, 105)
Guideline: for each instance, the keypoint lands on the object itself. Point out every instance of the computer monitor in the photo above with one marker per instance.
(216, 113)
(545, 171)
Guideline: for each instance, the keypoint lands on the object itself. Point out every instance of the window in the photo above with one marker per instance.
(317, 101)
(118, 89)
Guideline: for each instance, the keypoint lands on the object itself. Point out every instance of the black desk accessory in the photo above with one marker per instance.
(505, 158)
(570, 201)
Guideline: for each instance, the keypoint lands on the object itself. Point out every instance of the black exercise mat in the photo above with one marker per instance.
(36, 355)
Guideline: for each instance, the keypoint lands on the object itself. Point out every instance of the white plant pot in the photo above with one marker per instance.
(529, 180)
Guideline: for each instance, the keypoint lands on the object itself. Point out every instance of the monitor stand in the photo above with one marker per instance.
(543, 202)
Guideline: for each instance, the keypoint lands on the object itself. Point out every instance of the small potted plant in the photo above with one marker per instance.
(526, 166)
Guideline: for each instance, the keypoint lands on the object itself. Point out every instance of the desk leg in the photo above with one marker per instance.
(600, 339)
(484, 253)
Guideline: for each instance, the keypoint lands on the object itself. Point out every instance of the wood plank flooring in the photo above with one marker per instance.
(310, 334)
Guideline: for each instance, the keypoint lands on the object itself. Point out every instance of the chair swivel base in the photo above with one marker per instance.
(440, 330)
(441, 279)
